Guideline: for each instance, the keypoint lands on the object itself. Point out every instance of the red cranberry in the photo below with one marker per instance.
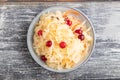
(40, 33)
(62, 44)
(79, 31)
(43, 58)
(68, 22)
(81, 37)
(49, 43)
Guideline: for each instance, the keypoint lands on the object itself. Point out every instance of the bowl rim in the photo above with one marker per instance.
(30, 33)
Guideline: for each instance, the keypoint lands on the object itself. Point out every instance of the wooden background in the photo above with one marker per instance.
(16, 62)
(52, 0)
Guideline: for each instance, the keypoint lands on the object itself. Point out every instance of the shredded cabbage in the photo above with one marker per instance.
(55, 29)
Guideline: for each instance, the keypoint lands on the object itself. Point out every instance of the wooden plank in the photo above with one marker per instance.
(16, 62)
(52, 0)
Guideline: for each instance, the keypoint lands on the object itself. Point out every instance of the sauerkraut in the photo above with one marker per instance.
(53, 27)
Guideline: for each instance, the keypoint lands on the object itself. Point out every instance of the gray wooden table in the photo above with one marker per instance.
(16, 62)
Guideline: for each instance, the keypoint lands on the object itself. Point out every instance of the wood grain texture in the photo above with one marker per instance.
(53, 0)
(17, 64)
